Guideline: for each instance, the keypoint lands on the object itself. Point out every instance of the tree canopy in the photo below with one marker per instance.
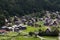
(22, 7)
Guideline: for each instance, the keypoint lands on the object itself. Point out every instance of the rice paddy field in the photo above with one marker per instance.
(15, 36)
(21, 36)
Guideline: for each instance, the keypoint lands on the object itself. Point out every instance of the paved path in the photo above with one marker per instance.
(37, 36)
(41, 37)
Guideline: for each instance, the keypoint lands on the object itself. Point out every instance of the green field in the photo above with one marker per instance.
(17, 36)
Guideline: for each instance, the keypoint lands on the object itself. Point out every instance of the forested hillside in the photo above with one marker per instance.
(22, 7)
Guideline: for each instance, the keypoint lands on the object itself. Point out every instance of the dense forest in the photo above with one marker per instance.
(22, 7)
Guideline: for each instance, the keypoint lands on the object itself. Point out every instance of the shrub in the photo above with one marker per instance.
(31, 33)
(49, 33)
